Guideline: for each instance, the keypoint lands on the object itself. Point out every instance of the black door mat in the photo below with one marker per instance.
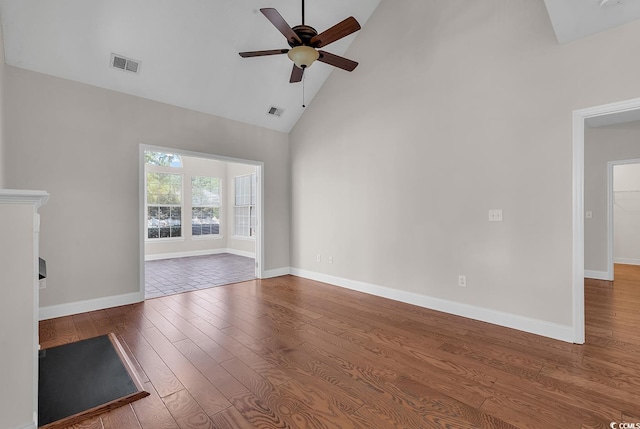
(83, 379)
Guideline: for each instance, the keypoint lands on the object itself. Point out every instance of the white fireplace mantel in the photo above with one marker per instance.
(19, 228)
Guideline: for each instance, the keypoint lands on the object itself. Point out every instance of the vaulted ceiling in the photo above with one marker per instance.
(188, 49)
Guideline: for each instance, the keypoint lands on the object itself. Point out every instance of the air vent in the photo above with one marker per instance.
(275, 111)
(124, 63)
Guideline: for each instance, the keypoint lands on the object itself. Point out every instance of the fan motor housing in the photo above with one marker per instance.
(305, 33)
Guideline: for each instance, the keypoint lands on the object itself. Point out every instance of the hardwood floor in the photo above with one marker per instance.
(294, 353)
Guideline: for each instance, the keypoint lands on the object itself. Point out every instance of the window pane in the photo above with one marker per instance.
(205, 191)
(162, 159)
(242, 220)
(163, 188)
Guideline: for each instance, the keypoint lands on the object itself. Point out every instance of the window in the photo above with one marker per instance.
(245, 206)
(162, 159)
(205, 205)
(164, 205)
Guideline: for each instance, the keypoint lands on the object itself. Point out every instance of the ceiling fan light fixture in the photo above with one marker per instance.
(303, 56)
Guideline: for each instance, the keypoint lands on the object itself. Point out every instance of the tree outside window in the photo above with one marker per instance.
(164, 205)
(205, 205)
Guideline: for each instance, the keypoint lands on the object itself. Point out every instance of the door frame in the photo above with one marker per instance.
(579, 118)
(259, 266)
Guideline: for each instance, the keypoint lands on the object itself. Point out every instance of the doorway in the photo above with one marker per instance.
(619, 112)
(200, 217)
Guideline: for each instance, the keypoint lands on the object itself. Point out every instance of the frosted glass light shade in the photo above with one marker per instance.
(303, 56)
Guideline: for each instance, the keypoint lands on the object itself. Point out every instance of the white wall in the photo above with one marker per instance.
(602, 145)
(626, 213)
(457, 107)
(81, 144)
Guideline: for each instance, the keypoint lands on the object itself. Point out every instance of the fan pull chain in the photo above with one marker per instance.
(303, 79)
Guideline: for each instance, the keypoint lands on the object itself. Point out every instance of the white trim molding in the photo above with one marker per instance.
(534, 326)
(28, 426)
(78, 307)
(205, 252)
(627, 261)
(277, 272)
(16, 196)
(598, 275)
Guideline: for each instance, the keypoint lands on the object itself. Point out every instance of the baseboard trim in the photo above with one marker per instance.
(160, 256)
(276, 272)
(251, 255)
(78, 307)
(626, 261)
(597, 275)
(206, 252)
(521, 323)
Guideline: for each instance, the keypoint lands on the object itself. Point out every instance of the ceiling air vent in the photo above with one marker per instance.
(275, 111)
(124, 63)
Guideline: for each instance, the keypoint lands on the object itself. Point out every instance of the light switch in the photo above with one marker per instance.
(589, 215)
(495, 215)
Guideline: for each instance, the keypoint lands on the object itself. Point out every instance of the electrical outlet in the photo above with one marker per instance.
(462, 281)
(318, 258)
(495, 215)
(331, 259)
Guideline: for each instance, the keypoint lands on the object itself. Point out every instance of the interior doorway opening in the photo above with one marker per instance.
(619, 112)
(200, 221)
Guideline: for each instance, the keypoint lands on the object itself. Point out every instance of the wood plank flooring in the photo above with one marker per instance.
(294, 353)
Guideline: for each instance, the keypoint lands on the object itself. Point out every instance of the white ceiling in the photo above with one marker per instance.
(574, 19)
(188, 49)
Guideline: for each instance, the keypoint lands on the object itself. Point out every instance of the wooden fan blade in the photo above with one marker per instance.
(337, 61)
(337, 32)
(296, 74)
(278, 21)
(263, 53)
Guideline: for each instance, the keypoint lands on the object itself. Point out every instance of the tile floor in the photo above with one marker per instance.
(172, 276)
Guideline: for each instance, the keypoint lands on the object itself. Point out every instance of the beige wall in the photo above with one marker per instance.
(81, 144)
(2, 67)
(457, 107)
(601, 145)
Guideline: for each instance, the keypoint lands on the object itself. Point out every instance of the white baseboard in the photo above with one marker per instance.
(77, 307)
(598, 275)
(526, 324)
(276, 272)
(160, 256)
(251, 255)
(626, 261)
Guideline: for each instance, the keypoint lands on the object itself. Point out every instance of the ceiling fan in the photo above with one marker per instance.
(305, 41)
